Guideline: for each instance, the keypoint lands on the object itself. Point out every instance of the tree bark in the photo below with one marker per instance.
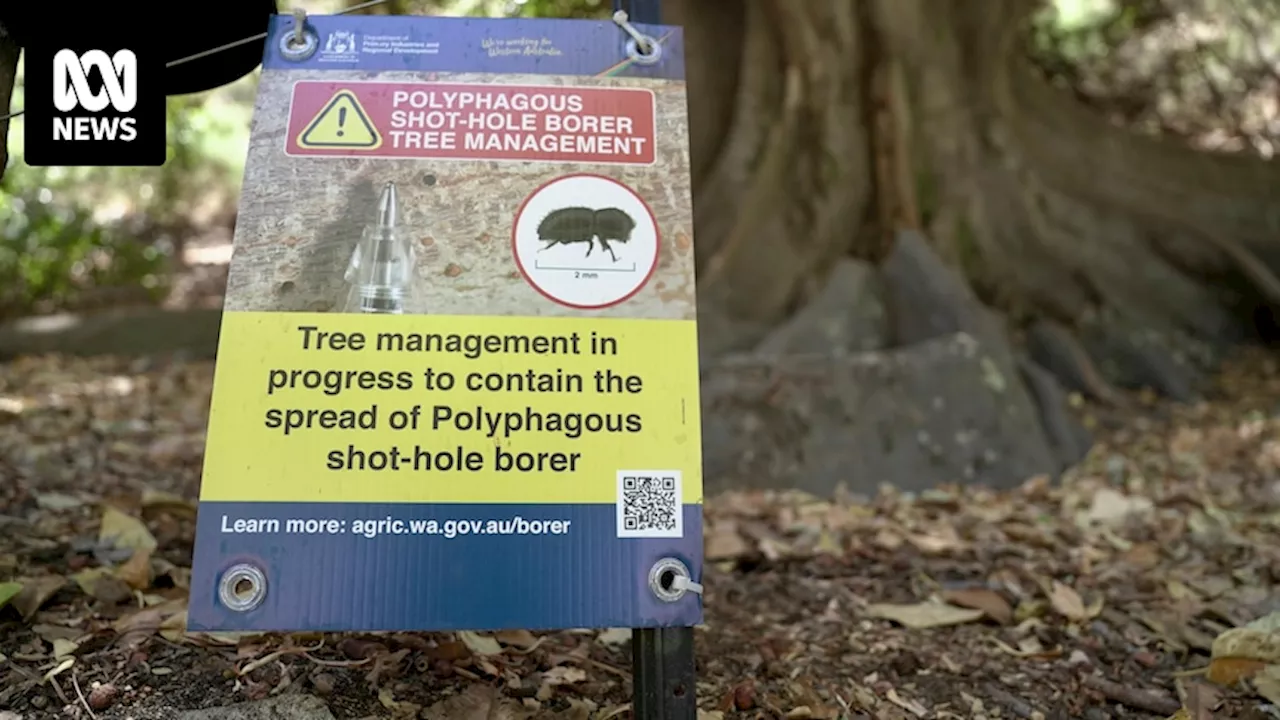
(779, 152)
(822, 127)
(9, 52)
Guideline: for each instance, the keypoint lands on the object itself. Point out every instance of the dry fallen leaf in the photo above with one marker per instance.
(136, 627)
(122, 531)
(111, 590)
(1251, 652)
(35, 593)
(1227, 671)
(49, 632)
(88, 579)
(63, 647)
(400, 709)
(614, 636)
(1111, 507)
(160, 501)
(724, 542)
(174, 627)
(1258, 640)
(1266, 623)
(1200, 701)
(179, 576)
(577, 710)
(924, 615)
(58, 501)
(985, 599)
(912, 706)
(1028, 647)
(136, 571)
(522, 639)
(564, 675)
(1068, 602)
(939, 540)
(480, 644)
(828, 544)
(477, 702)
(1267, 683)
(216, 639)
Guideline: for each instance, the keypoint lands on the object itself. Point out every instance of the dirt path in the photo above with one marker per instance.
(1100, 598)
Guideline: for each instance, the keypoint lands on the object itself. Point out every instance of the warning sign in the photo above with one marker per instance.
(342, 123)
(457, 382)
(597, 125)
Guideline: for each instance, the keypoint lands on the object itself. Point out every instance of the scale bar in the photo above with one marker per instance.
(585, 270)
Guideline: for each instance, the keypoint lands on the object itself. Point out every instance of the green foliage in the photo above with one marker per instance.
(67, 234)
(50, 253)
(500, 8)
(559, 8)
(1202, 71)
(1069, 32)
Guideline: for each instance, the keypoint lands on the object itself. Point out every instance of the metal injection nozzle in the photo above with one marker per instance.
(381, 269)
(388, 206)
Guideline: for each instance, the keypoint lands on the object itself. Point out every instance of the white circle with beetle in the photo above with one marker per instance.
(585, 241)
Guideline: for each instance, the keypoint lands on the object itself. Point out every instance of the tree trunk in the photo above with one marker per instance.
(820, 128)
(780, 152)
(9, 52)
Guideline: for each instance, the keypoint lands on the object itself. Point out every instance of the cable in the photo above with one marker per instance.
(228, 46)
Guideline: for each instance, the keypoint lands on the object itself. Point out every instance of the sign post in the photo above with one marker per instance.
(662, 659)
(457, 382)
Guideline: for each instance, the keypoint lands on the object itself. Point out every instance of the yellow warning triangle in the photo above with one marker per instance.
(341, 124)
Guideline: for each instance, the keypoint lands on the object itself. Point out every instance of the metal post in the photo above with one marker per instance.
(665, 678)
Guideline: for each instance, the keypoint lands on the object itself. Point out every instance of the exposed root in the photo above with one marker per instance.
(1149, 700)
(1059, 351)
(1265, 281)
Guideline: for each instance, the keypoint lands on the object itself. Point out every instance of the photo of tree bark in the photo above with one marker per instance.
(987, 299)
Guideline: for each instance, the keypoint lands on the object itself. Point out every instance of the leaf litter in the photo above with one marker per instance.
(1142, 585)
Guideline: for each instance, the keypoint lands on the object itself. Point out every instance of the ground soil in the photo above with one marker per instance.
(1099, 596)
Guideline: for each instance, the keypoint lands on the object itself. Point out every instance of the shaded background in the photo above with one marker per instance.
(1085, 186)
(944, 256)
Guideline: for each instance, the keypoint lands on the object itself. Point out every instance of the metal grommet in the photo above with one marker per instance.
(290, 49)
(662, 579)
(649, 58)
(638, 41)
(242, 588)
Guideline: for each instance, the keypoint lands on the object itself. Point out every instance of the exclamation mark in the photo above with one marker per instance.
(342, 120)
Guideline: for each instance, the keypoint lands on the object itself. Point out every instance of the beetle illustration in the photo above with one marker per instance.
(584, 225)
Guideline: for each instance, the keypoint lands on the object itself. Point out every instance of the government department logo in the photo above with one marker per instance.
(340, 43)
(94, 106)
(340, 46)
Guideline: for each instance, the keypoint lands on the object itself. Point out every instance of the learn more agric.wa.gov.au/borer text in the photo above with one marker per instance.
(375, 527)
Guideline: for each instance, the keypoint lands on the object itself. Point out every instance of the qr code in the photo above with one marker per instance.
(649, 504)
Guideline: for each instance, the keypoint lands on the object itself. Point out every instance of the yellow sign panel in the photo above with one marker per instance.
(361, 408)
(342, 123)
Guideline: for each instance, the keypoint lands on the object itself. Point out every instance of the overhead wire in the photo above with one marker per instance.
(230, 45)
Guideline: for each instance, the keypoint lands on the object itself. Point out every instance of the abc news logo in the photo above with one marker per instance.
(71, 91)
(94, 105)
